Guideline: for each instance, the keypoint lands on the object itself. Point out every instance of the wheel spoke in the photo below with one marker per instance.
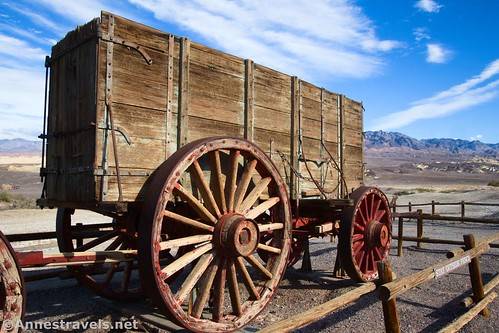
(378, 254)
(205, 288)
(114, 244)
(254, 194)
(93, 243)
(230, 182)
(218, 305)
(255, 263)
(362, 216)
(261, 208)
(193, 277)
(269, 248)
(216, 169)
(380, 215)
(187, 221)
(169, 244)
(376, 210)
(110, 273)
(358, 226)
(235, 297)
(204, 213)
(366, 211)
(248, 282)
(371, 212)
(270, 226)
(356, 247)
(242, 187)
(205, 188)
(185, 260)
(357, 237)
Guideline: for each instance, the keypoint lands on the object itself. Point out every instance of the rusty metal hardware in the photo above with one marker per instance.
(132, 45)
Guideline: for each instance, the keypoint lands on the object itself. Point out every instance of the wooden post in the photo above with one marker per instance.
(401, 236)
(433, 207)
(420, 227)
(306, 264)
(410, 206)
(462, 211)
(475, 274)
(79, 239)
(390, 314)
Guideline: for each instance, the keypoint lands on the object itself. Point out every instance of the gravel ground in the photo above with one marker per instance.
(426, 308)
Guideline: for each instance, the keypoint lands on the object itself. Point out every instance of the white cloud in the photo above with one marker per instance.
(421, 34)
(26, 34)
(84, 11)
(37, 18)
(21, 102)
(477, 137)
(477, 90)
(17, 48)
(429, 6)
(437, 54)
(328, 38)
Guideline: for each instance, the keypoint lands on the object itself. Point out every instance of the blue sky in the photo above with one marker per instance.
(427, 68)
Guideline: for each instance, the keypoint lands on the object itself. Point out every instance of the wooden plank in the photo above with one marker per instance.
(249, 112)
(183, 95)
(340, 161)
(295, 119)
(457, 324)
(169, 133)
(319, 311)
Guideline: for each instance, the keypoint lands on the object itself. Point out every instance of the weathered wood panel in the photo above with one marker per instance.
(187, 92)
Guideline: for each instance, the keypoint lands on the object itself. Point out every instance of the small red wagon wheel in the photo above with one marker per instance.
(230, 210)
(117, 281)
(365, 233)
(12, 292)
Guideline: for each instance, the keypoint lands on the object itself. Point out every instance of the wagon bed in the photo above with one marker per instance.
(159, 92)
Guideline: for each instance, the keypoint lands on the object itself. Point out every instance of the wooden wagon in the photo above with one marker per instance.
(216, 171)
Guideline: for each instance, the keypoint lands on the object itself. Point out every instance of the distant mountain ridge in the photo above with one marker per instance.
(19, 146)
(374, 140)
(382, 139)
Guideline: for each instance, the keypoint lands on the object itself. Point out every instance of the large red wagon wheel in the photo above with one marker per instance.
(225, 222)
(117, 281)
(365, 233)
(12, 292)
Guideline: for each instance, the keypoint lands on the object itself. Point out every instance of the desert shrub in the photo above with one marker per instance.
(494, 183)
(400, 193)
(424, 190)
(16, 200)
(5, 196)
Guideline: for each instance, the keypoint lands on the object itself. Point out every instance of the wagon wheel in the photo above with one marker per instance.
(111, 280)
(222, 234)
(12, 292)
(365, 233)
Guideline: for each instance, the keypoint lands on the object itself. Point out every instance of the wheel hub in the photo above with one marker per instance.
(377, 234)
(237, 235)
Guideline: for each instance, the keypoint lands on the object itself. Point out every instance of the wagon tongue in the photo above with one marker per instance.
(236, 235)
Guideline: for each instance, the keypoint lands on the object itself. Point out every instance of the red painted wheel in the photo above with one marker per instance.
(202, 203)
(365, 233)
(117, 281)
(12, 291)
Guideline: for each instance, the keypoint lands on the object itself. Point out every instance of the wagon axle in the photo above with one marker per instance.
(236, 234)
